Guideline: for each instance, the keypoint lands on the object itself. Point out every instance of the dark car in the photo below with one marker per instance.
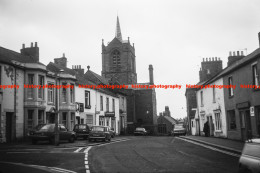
(46, 133)
(140, 131)
(112, 132)
(32, 131)
(81, 130)
(178, 130)
(250, 158)
(99, 133)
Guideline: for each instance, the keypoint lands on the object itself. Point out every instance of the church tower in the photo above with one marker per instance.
(118, 59)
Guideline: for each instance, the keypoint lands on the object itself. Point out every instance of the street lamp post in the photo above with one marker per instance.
(56, 129)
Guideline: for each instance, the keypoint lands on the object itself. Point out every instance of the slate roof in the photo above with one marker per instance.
(7, 56)
(81, 79)
(96, 78)
(170, 119)
(236, 65)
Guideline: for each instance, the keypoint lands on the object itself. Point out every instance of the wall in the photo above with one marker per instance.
(9, 101)
(243, 75)
(209, 108)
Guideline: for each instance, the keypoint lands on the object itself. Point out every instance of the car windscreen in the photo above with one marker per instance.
(178, 127)
(47, 128)
(100, 129)
(139, 129)
(82, 127)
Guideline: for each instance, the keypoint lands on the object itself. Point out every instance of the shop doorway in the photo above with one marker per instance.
(211, 125)
(246, 129)
(10, 127)
(50, 118)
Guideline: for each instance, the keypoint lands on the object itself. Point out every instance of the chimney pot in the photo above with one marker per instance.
(216, 58)
(31, 44)
(237, 53)
(88, 67)
(23, 46)
(203, 59)
(230, 53)
(63, 55)
(234, 53)
(206, 59)
(35, 44)
(242, 53)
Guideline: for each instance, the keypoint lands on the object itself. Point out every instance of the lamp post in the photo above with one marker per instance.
(56, 129)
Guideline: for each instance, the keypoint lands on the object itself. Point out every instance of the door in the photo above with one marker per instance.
(211, 126)
(50, 118)
(246, 130)
(10, 127)
(197, 127)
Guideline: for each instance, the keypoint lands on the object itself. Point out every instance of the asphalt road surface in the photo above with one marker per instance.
(129, 154)
(159, 154)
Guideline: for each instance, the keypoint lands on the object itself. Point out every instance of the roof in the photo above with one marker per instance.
(96, 78)
(81, 79)
(235, 66)
(7, 56)
(170, 119)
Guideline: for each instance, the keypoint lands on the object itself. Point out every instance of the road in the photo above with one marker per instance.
(127, 154)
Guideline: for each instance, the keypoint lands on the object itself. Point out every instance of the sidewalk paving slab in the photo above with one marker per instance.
(225, 144)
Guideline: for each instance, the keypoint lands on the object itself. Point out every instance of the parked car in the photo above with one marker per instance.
(178, 130)
(249, 161)
(32, 131)
(81, 130)
(140, 131)
(111, 131)
(99, 133)
(46, 133)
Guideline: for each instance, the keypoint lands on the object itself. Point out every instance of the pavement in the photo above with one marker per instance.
(221, 143)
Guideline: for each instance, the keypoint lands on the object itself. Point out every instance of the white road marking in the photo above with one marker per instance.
(112, 142)
(76, 151)
(211, 148)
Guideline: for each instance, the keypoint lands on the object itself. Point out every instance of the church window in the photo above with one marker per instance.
(116, 58)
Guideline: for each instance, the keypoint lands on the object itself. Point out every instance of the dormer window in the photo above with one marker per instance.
(116, 58)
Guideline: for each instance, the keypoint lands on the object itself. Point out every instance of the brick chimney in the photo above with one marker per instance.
(78, 69)
(235, 57)
(61, 61)
(151, 74)
(210, 68)
(32, 51)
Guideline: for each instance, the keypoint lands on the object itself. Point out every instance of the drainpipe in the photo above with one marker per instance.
(15, 103)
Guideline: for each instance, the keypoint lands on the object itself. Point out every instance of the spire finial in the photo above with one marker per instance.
(118, 30)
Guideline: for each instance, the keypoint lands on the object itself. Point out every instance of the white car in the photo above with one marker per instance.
(249, 161)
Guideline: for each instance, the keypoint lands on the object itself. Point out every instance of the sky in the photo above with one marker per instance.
(172, 35)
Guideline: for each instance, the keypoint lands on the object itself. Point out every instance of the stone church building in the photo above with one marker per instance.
(119, 67)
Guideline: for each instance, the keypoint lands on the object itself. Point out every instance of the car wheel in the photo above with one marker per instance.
(34, 141)
(72, 139)
(109, 139)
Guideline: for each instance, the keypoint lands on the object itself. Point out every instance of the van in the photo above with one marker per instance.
(81, 130)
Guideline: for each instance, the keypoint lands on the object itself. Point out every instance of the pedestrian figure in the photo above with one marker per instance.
(206, 129)
(249, 136)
